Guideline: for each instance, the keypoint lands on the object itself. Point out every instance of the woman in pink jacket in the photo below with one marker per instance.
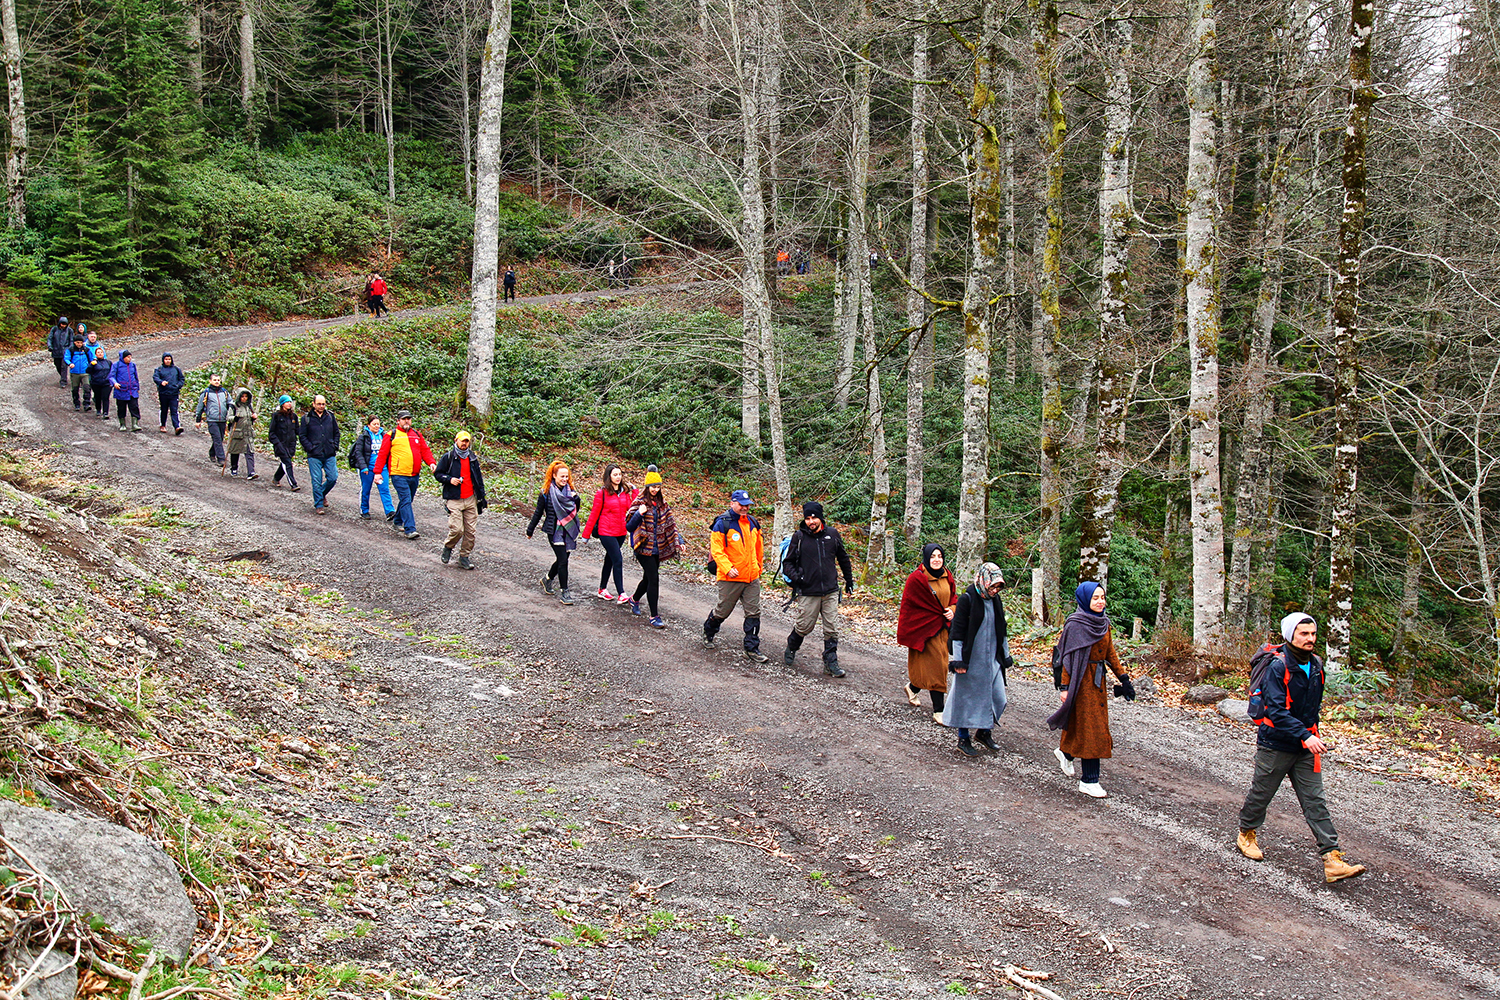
(607, 520)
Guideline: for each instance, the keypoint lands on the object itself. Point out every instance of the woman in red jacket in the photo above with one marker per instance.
(922, 627)
(607, 520)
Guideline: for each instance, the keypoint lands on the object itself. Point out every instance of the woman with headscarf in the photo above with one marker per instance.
(980, 658)
(557, 511)
(922, 627)
(1086, 647)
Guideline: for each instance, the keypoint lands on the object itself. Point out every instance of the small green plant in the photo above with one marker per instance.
(957, 988)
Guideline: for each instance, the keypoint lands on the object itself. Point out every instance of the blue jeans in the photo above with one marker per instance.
(406, 490)
(366, 480)
(324, 473)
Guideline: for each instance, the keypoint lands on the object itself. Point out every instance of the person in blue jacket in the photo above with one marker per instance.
(126, 383)
(99, 369)
(169, 381)
(78, 360)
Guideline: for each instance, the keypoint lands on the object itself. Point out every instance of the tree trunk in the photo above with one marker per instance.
(916, 303)
(387, 77)
(194, 33)
(16, 155)
(1012, 305)
(480, 368)
(247, 68)
(1053, 128)
(1202, 281)
(847, 315)
(755, 296)
(1416, 522)
(1116, 226)
(1171, 531)
(1344, 343)
(466, 134)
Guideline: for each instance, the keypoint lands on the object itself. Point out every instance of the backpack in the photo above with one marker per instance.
(786, 548)
(353, 453)
(1271, 652)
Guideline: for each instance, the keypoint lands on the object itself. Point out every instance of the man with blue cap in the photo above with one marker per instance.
(1288, 746)
(738, 556)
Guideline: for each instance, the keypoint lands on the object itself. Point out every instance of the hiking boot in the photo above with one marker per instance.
(709, 640)
(966, 747)
(986, 740)
(789, 657)
(832, 669)
(548, 587)
(656, 622)
(1092, 788)
(1336, 869)
(447, 554)
(463, 563)
(1248, 847)
(1063, 762)
(756, 656)
(566, 596)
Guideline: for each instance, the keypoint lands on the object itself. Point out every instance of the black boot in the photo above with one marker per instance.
(752, 641)
(831, 658)
(793, 643)
(984, 739)
(966, 747)
(711, 629)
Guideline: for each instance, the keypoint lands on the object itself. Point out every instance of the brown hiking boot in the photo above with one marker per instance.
(1247, 845)
(1335, 868)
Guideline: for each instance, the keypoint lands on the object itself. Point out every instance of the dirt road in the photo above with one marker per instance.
(902, 866)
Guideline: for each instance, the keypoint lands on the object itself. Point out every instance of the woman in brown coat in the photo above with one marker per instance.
(922, 627)
(1086, 647)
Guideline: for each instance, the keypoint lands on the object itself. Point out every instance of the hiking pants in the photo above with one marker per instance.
(747, 595)
(169, 409)
(810, 609)
(216, 440)
(1271, 766)
(79, 382)
(463, 520)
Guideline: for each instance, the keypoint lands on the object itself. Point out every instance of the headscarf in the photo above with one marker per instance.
(927, 551)
(1084, 595)
(1288, 629)
(989, 574)
(1083, 628)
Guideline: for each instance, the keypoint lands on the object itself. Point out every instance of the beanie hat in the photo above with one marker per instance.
(812, 509)
(283, 400)
(1290, 622)
(653, 478)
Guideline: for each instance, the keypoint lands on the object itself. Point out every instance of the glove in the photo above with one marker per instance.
(482, 505)
(1125, 689)
(848, 588)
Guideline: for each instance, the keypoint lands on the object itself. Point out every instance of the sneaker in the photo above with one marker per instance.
(253, 475)
(296, 489)
(447, 554)
(163, 426)
(364, 515)
(234, 473)
(624, 599)
(1092, 788)
(320, 510)
(76, 408)
(1063, 762)
(412, 536)
(464, 563)
(548, 587)
(966, 747)
(390, 515)
(603, 595)
(656, 622)
(565, 596)
(1248, 847)
(635, 606)
(177, 432)
(756, 656)
(833, 669)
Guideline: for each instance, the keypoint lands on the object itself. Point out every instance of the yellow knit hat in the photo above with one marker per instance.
(653, 478)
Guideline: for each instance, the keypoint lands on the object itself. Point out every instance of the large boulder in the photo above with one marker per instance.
(1235, 710)
(58, 976)
(109, 871)
(1205, 694)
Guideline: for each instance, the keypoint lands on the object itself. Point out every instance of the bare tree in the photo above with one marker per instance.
(15, 158)
(916, 301)
(1052, 127)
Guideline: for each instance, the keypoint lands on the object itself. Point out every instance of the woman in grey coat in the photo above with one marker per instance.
(978, 661)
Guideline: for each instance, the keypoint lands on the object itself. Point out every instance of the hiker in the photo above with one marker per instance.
(609, 268)
(90, 338)
(59, 337)
(783, 262)
(1085, 648)
(213, 409)
(283, 435)
(77, 362)
(1287, 744)
(242, 433)
(922, 624)
(802, 260)
(654, 537)
(375, 291)
(318, 433)
(99, 369)
(125, 381)
(979, 661)
(510, 285)
(738, 554)
(607, 519)
(405, 451)
(557, 510)
(366, 449)
(814, 556)
(463, 495)
(169, 381)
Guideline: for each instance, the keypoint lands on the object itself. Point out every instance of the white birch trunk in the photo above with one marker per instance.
(193, 29)
(479, 371)
(1012, 304)
(755, 296)
(247, 67)
(1201, 278)
(1053, 128)
(916, 303)
(16, 155)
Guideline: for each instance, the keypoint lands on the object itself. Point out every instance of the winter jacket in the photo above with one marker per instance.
(125, 379)
(1294, 701)
(241, 422)
(366, 448)
(319, 435)
(545, 515)
(78, 360)
(968, 615)
(59, 339)
(213, 405)
(607, 515)
(813, 560)
(99, 370)
(451, 465)
(377, 287)
(284, 433)
(168, 379)
(405, 452)
(736, 543)
(653, 532)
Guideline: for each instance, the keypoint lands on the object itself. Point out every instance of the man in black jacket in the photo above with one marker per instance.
(58, 339)
(814, 556)
(1288, 746)
(319, 436)
(463, 495)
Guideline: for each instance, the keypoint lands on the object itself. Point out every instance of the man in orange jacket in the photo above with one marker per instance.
(405, 451)
(738, 553)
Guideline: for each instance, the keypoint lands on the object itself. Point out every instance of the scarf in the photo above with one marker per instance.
(565, 508)
(928, 551)
(463, 453)
(659, 528)
(1083, 628)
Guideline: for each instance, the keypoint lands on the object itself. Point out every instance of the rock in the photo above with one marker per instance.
(1235, 710)
(57, 982)
(109, 871)
(1145, 685)
(1205, 694)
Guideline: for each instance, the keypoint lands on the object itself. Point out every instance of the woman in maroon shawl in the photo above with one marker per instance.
(922, 627)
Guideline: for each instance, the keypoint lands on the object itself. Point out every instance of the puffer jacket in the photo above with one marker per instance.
(284, 433)
(78, 360)
(125, 379)
(99, 370)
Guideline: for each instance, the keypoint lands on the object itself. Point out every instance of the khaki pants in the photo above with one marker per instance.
(733, 592)
(463, 518)
(810, 609)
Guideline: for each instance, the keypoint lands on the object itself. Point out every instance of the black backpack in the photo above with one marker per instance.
(1270, 653)
(353, 453)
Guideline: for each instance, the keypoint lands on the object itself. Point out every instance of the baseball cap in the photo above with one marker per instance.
(462, 436)
(742, 496)
(403, 414)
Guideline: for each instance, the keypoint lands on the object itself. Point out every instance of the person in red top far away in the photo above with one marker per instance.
(375, 291)
(405, 451)
(463, 495)
(607, 520)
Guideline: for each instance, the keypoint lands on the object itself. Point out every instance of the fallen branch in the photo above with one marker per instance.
(513, 968)
(1022, 978)
(774, 852)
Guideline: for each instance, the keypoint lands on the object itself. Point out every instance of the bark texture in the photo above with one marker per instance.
(1048, 314)
(16, 155)
(916, 303)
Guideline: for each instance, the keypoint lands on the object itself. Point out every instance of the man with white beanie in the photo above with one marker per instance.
(1288, 745)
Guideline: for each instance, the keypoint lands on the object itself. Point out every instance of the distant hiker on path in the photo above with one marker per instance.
(654, 537)
(169, 381)
(981, 656)
(318, 433)
(213, 409)
(814, 557)
(1087, 648)
(77, 360)
(463, 495)
(927, 608)
(510, 285)
(375, 292)
(405, 451)
(557, 511)
(59, 337)
(99, 369)
(607, 519)
(283, 434)
(1287, 745)
(738, 553)
(366, 450)
(125, 382)
(241, 439)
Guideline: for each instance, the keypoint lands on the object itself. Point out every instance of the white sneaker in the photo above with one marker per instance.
(1092, 788)
(1063, 762)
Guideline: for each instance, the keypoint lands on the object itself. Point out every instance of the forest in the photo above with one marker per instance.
(1191, 298)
